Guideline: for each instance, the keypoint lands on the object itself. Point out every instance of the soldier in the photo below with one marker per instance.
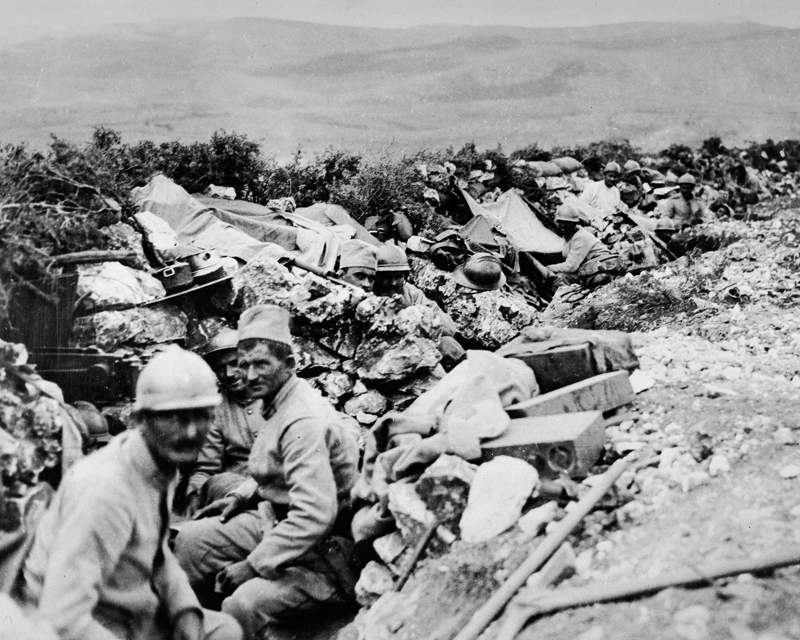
(358, 264)
(270, 551)
(683, 208)
(222, 463)
(100, 567)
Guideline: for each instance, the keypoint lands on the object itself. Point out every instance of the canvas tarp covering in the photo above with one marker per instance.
(240, 230)
(335, 217)
(512, 216)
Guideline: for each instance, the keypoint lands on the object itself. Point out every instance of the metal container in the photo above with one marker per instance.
(175, 276)
(203, 260)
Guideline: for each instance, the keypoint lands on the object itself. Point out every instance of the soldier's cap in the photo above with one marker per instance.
(357, 253)
(265, 322)
(612, 167)
(687, 178)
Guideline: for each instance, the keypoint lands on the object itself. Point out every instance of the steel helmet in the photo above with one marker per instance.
(225, 340)
(567, 213)
(631, 166)
(176, 379)
(481, 271)
(687, 178)
(612, 167)
(392, 258)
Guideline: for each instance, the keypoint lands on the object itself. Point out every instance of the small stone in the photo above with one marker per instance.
(641, 381)
(374, 581)
(718, 465)
(534, 522)
(732, 373)
(795, 511)
(583, 562)
(370, 402)
(796, 382)
(784, 435)
(693, 480)
(691, 623)
(790, 471)
(367, 419)
(390, 549)
(595, 633)
(499, 491)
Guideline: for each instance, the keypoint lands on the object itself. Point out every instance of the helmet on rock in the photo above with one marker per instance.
(176, 379)
(481, 272)
(392, 258)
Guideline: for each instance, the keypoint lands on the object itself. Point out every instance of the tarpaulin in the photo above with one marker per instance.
(240, 229)
(514, 218)
(334, 216)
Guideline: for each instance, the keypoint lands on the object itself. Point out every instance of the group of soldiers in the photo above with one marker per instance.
(587, 260)
(250, 462)
(266, 468)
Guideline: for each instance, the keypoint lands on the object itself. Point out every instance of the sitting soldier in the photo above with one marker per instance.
(604, 194)
(270, 553)
(587, 261)
(100, 566)
(222, 463)
(683, 208)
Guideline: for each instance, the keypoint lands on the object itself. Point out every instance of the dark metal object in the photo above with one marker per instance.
(175, 276)
(87, 374)
(186, 291)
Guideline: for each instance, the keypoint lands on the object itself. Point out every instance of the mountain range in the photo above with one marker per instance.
(291, 84)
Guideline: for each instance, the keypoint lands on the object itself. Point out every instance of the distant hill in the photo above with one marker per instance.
(315, 85)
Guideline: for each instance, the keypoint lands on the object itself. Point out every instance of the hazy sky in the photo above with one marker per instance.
(24, 19)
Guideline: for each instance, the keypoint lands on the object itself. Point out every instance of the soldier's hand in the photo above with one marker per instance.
(233, 576)
(226, 507)
(188, 626)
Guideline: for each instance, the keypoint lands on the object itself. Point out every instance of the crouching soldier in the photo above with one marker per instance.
(587, 261)
(100, 567)
(270, 550)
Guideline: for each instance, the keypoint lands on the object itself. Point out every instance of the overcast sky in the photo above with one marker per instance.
(25, 19)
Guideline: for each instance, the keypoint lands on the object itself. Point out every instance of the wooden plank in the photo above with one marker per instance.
(559, 367)
(600, 393)
(568, 442)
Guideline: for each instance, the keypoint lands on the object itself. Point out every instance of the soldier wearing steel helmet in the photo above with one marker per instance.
(221, 465)
(100, 567)
(587, 261)
(392, 278)
(683, 208)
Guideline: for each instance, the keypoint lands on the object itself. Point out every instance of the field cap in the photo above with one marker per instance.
(265, 322)
(357, 253)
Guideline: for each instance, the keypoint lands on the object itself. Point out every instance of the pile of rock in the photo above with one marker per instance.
(37, 431)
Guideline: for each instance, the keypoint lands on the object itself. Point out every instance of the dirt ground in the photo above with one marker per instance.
(732, 378)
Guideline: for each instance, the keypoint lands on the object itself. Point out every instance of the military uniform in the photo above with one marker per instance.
(303, 465)
(100, 567)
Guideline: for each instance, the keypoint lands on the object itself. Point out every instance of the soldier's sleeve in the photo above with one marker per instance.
(209, 460)
(313, 504)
